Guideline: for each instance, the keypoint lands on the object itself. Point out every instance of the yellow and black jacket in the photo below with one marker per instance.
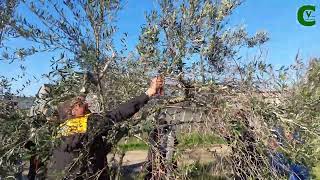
(84, 148)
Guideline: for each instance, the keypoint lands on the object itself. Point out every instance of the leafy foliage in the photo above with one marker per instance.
(192, 44)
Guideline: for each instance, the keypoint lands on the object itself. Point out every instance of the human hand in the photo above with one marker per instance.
(156, 86)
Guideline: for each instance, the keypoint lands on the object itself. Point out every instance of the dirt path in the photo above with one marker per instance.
(203, 155)
(134, 157)
(133, 161)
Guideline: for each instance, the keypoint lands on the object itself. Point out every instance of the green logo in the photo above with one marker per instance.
(304, 15)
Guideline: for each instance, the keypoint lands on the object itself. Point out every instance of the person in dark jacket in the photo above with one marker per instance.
(88, 138)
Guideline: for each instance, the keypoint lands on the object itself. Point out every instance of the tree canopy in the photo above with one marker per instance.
(192, 44)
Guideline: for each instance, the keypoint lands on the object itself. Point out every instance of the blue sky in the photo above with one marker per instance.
(277, 17)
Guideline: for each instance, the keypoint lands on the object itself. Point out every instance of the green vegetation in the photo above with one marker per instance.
(188, 41)
(201, 171)
(185, 141)
(316, 171)
(132, 144)
(197, 139)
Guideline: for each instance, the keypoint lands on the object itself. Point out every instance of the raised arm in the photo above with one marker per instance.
(128, 109)
(99, 125)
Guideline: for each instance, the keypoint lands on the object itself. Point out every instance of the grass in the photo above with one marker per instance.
(132, 144)
(185, 141)
(197, 139)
